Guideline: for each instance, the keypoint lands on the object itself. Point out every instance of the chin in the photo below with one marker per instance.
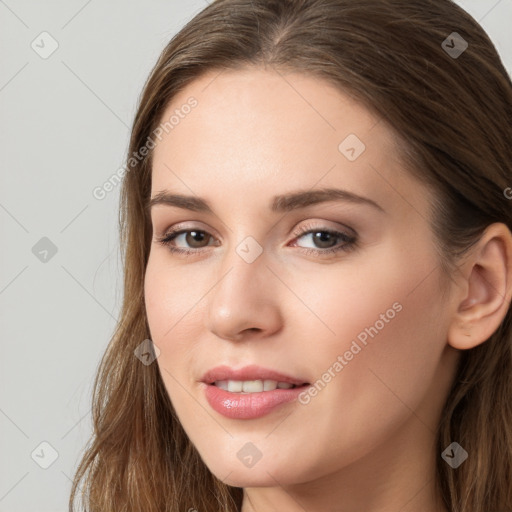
(262, 474)
(246, 478)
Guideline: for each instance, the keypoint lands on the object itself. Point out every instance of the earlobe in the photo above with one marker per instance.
(487, 275)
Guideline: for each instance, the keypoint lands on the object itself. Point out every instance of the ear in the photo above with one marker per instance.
(484, 296)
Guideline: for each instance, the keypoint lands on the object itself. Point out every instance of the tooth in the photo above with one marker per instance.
(269, 385)
(252, 386)
(235, 386)
(222, 384)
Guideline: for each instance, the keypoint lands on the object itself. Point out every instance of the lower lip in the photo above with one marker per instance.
(247, 406)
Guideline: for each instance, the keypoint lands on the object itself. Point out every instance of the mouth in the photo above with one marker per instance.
(251, 399)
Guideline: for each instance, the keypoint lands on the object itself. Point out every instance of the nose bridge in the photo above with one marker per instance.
(244, 269)
(243, 297)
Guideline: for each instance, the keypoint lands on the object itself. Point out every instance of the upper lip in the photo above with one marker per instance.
(251, 372)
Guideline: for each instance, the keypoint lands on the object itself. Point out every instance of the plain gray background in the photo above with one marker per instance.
(65, 122)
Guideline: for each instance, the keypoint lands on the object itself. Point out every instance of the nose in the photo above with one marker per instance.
(244, 302)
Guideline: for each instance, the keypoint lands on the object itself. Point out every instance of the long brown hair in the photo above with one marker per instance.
(452, 115)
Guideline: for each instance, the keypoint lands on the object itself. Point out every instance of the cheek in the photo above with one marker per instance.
(173, 300)
(384, 350)
(173, 303)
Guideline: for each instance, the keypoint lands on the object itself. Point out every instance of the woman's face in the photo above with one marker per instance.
(342, 294)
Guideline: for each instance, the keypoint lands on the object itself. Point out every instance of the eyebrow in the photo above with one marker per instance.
(281, 203)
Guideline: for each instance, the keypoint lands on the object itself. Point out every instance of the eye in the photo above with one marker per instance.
(194, 237)
(327, 241)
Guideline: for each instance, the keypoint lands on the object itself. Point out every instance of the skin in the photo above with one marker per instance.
(366, 440)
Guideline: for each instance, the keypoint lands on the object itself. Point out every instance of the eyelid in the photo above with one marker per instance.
(299, 230)
(189, 226)
(322, 226)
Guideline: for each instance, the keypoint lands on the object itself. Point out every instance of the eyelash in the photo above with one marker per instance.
(350, 241)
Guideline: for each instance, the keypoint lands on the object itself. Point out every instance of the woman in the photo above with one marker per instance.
(318, 268)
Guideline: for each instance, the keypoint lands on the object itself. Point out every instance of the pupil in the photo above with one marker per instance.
(193, 234)
(323, 236)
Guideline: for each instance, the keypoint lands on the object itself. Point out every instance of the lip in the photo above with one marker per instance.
(251, 372)
(249, 405)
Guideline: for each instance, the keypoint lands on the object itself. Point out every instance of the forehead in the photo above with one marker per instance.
(255, 133)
